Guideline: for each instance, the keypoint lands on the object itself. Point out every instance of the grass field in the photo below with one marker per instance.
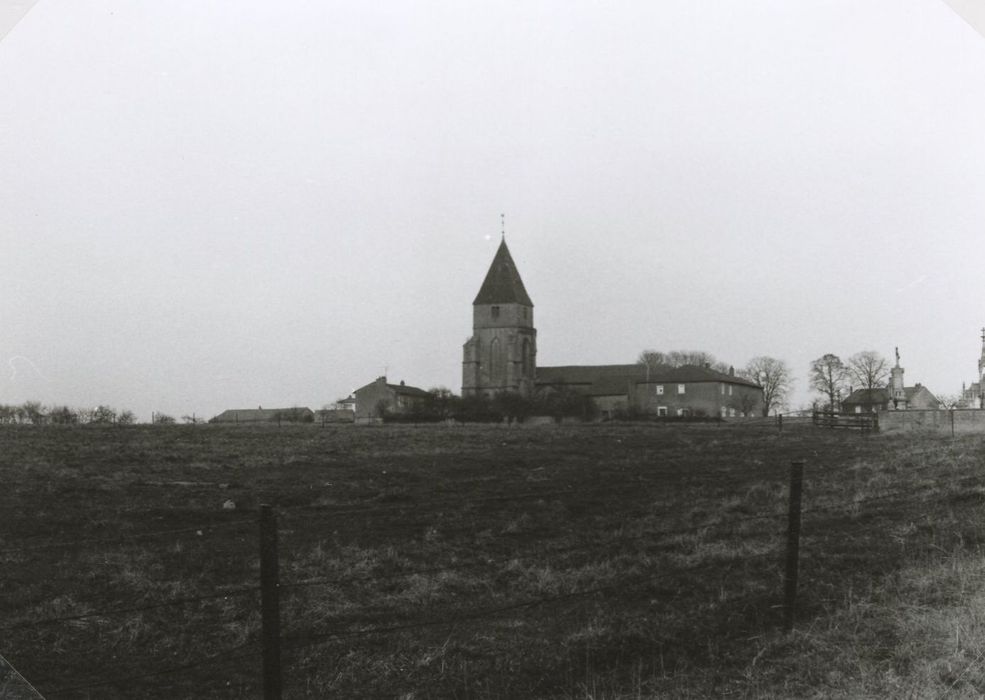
(596, 561)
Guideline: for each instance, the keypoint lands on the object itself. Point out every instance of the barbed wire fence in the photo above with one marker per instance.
(265, 596)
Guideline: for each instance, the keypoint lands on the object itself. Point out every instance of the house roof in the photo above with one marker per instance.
(695, 373)
(608, 380)
(402, 389)
(405, 390)
(502, 284)
(258, 415)
(594, 380)
(866, 396)
(912, 391)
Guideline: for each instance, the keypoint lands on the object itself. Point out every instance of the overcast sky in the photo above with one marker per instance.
(207, 206)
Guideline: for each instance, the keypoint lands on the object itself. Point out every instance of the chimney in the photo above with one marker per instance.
(401, 382)
(731, 370)
(707, 365)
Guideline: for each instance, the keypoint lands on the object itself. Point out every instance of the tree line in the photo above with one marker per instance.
(834, 379)
(442, 405)
(34, 413)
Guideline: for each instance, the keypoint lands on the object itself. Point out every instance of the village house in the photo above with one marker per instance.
(501, 356)
(895, 397)
(379, 398)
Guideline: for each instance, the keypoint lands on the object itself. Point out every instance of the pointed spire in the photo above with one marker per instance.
(503, 284)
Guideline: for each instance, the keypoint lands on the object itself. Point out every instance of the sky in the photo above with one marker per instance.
(205, 207)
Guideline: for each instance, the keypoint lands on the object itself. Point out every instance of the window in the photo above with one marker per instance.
(680, 388)
(858, 409)
(495, 312)
(660, 389)
(661, 410)
(729, 389)
(524, 313)
(680, 411)
(723, 390)
(731, 412)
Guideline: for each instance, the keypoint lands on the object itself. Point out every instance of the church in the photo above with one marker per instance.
(501, 357)
(972, 395)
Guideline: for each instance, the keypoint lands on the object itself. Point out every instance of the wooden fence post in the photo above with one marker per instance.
(793, 544)
(270, 604)
(779, 421)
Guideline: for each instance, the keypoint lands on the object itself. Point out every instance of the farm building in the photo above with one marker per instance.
(379, 398)
(265, 415)
(501, 356)
(895, 397)
(662, 391)
(875, 400)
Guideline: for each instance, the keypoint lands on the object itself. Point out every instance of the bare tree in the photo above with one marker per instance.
(949, 401)
(656, 359)
(103, 414)
(775, 378)
(126, 418)
(34, 412)
(162, 419)
(828, 375)
(868, 369)
(62, 415)
(700, 358)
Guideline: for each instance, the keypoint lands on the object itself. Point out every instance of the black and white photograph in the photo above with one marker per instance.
(492, 349)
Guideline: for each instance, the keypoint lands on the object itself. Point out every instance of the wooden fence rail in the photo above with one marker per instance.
(850, 421)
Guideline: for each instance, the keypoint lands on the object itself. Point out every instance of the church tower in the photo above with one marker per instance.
(501, 355)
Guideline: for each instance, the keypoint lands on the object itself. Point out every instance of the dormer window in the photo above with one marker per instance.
(495, 312)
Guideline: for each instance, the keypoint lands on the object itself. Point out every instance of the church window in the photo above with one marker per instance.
(524, 313)
(525, 358)
(495, 312)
